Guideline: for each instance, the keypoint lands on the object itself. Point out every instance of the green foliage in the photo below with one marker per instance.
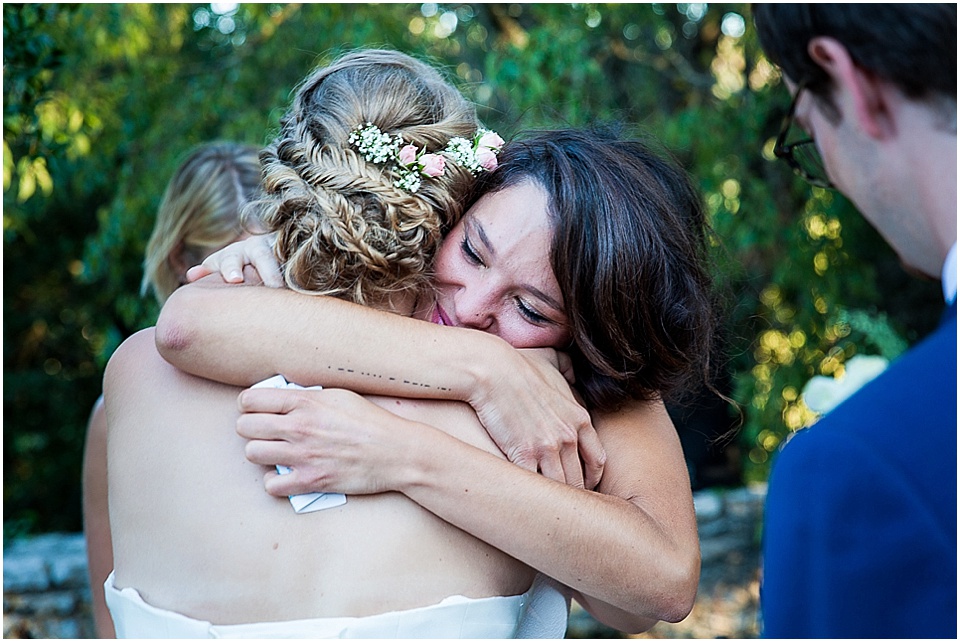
(102, 101)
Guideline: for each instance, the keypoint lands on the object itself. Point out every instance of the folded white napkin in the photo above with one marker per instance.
(308, 502)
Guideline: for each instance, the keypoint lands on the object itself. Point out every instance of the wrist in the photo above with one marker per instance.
(414, 464)
(484, 368)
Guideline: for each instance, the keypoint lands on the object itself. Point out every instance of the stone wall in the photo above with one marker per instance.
(46, 593)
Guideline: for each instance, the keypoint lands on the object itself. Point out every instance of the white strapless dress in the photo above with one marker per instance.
(541, 612)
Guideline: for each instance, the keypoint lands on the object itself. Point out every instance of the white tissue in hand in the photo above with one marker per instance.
(308, 502)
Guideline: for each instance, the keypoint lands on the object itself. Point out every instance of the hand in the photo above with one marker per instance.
(229, 262)
(560, 361)
(333, 439)
(534, 417)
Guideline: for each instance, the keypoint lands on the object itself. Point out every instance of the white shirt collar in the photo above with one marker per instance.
(949, 280)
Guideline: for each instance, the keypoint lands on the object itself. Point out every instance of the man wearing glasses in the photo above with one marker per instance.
(860, 533)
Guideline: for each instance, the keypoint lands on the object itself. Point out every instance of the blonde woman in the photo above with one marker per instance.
(199, 214)
(439, 534)
(199, 549)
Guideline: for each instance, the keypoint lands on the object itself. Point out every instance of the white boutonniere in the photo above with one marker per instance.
(822, 394)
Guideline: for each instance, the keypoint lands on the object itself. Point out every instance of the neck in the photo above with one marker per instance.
(930, 180)
(938, 195)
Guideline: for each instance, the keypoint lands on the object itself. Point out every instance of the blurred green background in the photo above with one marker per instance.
(101, 102)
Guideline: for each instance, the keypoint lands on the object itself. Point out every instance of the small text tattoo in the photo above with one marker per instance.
(374, 375)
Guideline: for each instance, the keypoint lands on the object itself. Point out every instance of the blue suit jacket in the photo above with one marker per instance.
(860, 532)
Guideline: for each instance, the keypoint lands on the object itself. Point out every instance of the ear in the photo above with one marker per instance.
(859, 93)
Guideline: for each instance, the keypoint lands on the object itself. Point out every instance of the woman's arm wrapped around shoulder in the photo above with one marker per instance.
(241, 335)
(629, 551)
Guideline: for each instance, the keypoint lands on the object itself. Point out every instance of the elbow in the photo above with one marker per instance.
(174, 330)
(683, 580)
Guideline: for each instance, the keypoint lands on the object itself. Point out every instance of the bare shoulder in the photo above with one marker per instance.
(636, 424)
(643, 450)
(136, 352)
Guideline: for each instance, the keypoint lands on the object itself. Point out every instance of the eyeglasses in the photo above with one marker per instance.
(801, 155)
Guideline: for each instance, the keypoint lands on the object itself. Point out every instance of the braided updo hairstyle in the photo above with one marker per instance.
(343, 228)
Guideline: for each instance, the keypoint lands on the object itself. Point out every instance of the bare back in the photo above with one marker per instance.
(195, 532)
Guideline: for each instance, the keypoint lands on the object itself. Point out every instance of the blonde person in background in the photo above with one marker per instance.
(199, 214)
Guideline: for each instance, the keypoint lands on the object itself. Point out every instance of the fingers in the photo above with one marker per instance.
(263, 259)
(263, 426)
(231, 267)
(572, 472)
(559, 463)
(593, 455)
(268, 413)
(278, 401)
(270, 453)
(565, 366)
(563, 467)
(551, 468)
(197, 272)
(280, 485)
(229, 262)
(525, 461)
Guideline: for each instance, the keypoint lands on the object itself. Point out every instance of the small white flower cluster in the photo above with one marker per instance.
(462, 152)
(375, 146)
(822, 394)
(478, 154)
(411, 164)
(409, 181)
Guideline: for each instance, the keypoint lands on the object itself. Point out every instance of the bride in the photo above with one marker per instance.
(199, 549)
(196, 539)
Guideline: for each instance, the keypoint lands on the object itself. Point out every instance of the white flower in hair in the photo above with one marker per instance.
(411, 164)
(373, 144)
(461, 151)
(478, 154)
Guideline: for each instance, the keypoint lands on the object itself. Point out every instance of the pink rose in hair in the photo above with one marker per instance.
(433, 164)
(408, 154)
(486, 158)
(491, 140)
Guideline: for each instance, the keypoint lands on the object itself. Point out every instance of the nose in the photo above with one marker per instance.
(475, 309)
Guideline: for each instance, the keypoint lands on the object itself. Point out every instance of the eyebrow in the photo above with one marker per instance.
(546, 298)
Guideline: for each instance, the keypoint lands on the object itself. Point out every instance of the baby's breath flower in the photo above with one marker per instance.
(373, 144)
(461, 151)
(410, 164)
(408, 180)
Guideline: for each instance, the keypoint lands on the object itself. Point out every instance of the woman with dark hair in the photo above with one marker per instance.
(632, 267)
(577, 242)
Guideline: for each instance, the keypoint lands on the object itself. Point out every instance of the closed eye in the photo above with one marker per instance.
(530, 314)
(468, 251)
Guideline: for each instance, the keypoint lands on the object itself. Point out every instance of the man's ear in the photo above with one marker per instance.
(859, 93)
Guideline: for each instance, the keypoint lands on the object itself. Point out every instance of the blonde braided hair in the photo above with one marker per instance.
(343, 228)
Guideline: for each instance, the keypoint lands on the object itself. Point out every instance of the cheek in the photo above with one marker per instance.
(446, 264)
(521, 334)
